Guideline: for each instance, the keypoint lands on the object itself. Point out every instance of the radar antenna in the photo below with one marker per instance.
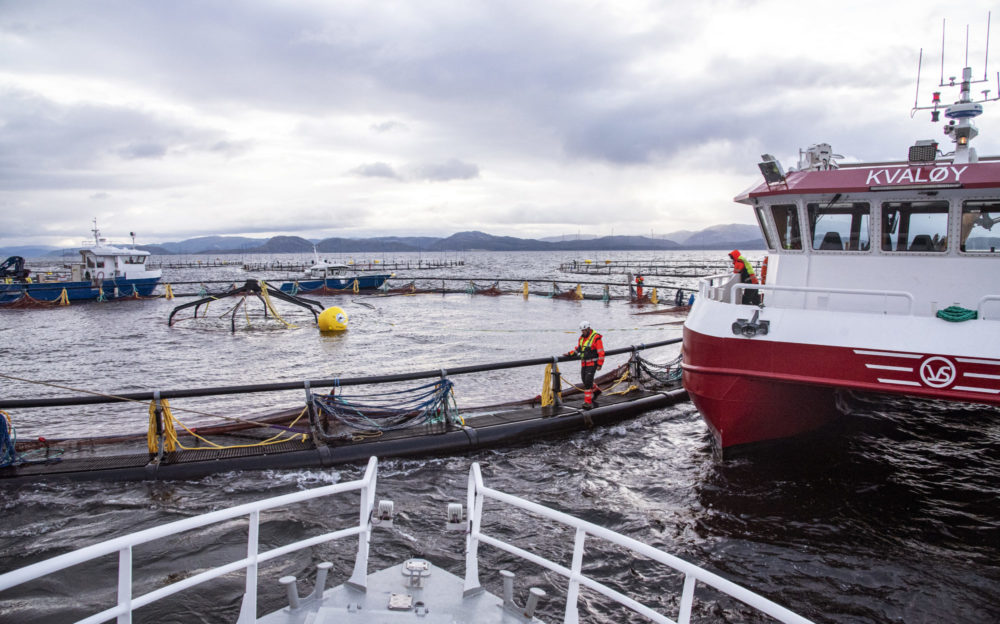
(960, 128)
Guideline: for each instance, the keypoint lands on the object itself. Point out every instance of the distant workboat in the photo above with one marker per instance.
(323, 275)
(103, 271)
(883, 277)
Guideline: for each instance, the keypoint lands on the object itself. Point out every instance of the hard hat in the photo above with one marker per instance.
(584, 325)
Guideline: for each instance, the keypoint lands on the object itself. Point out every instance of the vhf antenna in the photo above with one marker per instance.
(961, 113)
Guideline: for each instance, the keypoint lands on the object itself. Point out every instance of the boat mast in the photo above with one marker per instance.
(960, 128)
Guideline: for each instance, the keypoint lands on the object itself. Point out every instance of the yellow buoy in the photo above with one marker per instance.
(332, 319)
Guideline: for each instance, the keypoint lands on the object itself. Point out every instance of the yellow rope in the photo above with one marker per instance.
(526, 290)
(64, 298)
(169, 294)
(617, 383)
(267, 302)
(171, 441)
(548, 396)
(461, 418)
(368, 435)
(356, 286)
(653, 299)
(169, 434)
(579, 292)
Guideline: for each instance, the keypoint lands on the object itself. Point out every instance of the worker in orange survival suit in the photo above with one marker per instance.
(591, 351)
(638, 286)
(744, 268)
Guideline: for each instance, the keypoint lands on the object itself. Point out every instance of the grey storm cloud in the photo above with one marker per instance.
(142, 150)
(452, 169)
(448, 170)
(376, 170)
(579, 110)
(389, 126)
(51, 144)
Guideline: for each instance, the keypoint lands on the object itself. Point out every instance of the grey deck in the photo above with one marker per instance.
(440, 596)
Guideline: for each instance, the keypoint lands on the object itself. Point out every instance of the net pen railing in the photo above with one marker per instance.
(328, 382)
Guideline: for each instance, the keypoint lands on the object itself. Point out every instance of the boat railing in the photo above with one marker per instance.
(982, 304)
(822, 291)
(574, 575)
(127, 603)
(724, 289)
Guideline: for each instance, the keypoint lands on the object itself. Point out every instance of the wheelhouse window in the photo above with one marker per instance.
(915, 226)
(839, 227)
(786, 221)
(762, 222)
(978, 233)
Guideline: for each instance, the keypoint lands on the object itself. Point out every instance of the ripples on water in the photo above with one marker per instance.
(890, 515)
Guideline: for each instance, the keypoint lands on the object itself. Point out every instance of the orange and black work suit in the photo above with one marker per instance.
(591, 352)
(638, 286)
(743, 267)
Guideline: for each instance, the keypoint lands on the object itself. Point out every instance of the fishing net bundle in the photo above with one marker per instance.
(388, 411)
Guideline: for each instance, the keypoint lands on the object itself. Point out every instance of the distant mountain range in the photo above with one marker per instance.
(715, 237)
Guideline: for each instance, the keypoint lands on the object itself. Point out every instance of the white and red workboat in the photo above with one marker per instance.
(880, 277)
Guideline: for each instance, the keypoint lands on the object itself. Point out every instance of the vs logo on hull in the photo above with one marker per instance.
(938, 372)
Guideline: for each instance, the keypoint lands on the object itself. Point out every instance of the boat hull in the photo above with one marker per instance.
(778, 385)
(743, 408)
(79, 291)
(365, 282)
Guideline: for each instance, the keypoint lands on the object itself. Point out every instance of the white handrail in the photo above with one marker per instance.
(478, 492)
(979, 304)
(248, 612)
(739, 288)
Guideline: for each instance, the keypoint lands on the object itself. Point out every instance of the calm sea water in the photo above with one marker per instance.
(890, 515)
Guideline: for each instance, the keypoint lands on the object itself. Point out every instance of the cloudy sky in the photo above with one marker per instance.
(425, 117)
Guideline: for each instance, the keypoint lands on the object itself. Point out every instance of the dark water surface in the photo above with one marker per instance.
(890, 515)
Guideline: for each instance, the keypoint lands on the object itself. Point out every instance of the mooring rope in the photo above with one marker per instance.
(270, 306)
(128, 400)
(956, 314)
(171, 441)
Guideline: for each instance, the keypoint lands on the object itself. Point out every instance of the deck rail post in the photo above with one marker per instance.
(633, 365)
(160, 429)
(125, 585)
(474, 507)
(313, 420)
(556, 383)
(572, 613)
(248, 607)
(359, 577)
